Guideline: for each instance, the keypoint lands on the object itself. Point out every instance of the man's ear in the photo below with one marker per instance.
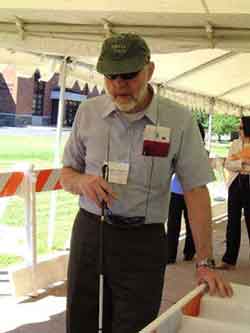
(151, 68)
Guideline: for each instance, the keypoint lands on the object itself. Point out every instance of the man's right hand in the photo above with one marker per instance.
(96, 189)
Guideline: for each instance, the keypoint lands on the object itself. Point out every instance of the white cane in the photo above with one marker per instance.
(101, 277)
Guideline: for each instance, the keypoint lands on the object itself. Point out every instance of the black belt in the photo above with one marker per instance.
(125, 222)
(118, 220)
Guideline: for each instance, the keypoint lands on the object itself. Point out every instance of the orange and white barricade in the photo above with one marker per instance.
(10, 183)
(200, 312)
(28, 278)
(48, 180)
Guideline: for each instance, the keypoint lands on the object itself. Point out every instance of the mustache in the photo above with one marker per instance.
(117, 94)
(131, 97)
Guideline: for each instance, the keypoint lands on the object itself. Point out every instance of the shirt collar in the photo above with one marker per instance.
(151, 110)
(108, 108)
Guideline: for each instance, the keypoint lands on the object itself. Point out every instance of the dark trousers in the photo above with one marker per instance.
(176, 208)
(238, 198)
(134, 265)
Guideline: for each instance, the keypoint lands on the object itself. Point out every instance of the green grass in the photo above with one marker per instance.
(38, 151)
(220, 149)
(9, 259)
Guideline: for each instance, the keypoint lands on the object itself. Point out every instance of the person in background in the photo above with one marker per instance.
(178, 206)
(142, 139)
(238, 167)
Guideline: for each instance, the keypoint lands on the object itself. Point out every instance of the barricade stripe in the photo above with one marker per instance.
(51, 181)
(3, 179)
(58, 185)
(56, 179)
(48, 180)
(42, 177)
(12, 184)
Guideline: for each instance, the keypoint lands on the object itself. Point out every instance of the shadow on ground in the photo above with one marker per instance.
(56, 323)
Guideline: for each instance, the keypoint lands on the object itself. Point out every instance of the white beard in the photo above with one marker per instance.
(130, 105)
(125, 107)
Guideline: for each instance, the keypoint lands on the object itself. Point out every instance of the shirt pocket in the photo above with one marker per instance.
(150, 172)
(160, 171)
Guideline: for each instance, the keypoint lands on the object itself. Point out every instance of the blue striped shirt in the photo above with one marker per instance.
(100, 133)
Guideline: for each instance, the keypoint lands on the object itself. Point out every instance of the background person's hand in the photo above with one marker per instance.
(217, 285)
(96, 189)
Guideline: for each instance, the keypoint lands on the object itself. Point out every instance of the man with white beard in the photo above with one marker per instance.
(140, 139)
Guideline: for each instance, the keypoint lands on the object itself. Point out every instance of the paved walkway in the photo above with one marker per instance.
(45, 314)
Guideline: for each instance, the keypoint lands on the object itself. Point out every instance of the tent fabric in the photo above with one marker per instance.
(167, 25)
(200, 47)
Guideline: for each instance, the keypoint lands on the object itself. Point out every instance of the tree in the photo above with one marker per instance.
(201, 117)
(221, 124)
(224, 124)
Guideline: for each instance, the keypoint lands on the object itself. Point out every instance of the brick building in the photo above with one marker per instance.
(32, 101)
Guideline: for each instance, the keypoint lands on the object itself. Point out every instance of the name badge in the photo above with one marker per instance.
(156, 141)
(118, 172)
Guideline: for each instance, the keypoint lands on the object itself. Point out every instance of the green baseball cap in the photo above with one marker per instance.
(123, 53)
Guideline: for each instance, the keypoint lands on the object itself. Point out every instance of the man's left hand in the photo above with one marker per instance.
(215, 281)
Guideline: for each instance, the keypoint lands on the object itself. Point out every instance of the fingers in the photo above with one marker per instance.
(217, 285)
(104, 192)
(212, 286)
(91, 194)
(211, 283)
(107, 190)
(97, 190)
(224, 288)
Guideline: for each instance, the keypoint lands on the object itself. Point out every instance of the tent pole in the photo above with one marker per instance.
(60, 117)
(210, 119)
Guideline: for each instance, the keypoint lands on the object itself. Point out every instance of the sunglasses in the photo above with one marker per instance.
(124, 76)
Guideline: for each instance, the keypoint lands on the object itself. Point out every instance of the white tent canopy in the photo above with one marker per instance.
(208, 79)
(77, 27)
(212, 39)
(27, 62)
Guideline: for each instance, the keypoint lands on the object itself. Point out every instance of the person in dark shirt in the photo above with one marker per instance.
(177, 207)
(238, 167)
